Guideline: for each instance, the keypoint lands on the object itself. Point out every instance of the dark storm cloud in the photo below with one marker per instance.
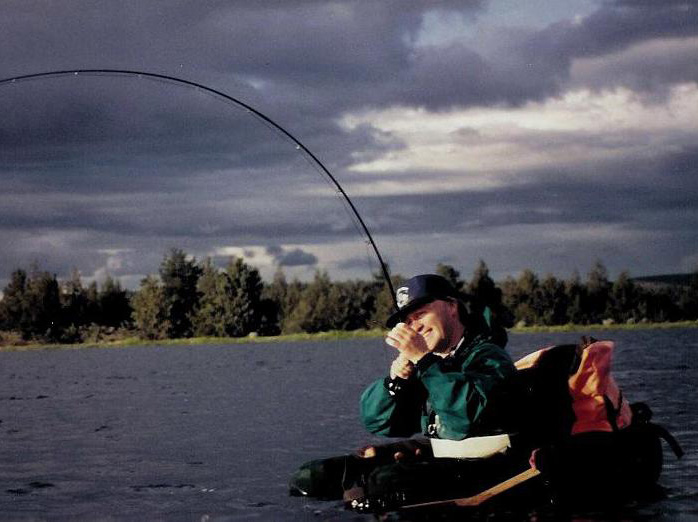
(297, 257)
(323, 218)
(320, 58)
(516, 66)
(465, 78)
(309, 60)
(91, 117)
(657, 195)
(289, 43)
(614, 27)
(289, 258)
(52, 35)
(619, 24)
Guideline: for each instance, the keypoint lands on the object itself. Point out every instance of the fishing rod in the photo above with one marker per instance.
(247, 107)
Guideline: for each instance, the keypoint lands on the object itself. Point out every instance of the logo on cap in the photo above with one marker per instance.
(403, 296)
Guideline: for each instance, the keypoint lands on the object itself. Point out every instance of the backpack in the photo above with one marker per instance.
(570, 390)
(582, 428)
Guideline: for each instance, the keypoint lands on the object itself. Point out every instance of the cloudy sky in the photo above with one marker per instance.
(543, 134)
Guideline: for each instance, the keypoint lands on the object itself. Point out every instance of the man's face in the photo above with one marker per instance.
(438, 323)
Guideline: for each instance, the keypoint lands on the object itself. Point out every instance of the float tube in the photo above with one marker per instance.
(580, 442)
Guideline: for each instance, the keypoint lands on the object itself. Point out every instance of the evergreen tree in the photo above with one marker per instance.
(244, 286)
(209, 319)
(325, 305)
(385, 302)
(487, 294)
(92, 307)
(333, 314)
(598, 292)
(554, 301)
(688, 299)
(273, 304)
(623, 298)
(150, 310)
(452, 275)
(576, 299)
(362, 305)
(114, 304)
(230, 301)
(13, 307)
(43, 307)
(74, 301)
(269, 318)
(659, 304)
(352, 305)
(528, 301)
(481, 286)
(292, 298)
(278, 289)
(314, 311)
(509, 293)
(179, 276)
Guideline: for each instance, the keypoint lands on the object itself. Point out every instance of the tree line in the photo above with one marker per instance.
(189, 298)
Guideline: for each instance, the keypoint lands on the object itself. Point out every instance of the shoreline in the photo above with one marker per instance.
(329, 335)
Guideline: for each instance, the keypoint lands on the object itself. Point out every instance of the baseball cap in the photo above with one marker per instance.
(417, 291)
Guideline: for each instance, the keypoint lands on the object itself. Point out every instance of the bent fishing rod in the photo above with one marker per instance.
(240, 103)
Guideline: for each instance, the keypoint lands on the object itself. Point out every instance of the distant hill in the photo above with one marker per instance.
(677, 279)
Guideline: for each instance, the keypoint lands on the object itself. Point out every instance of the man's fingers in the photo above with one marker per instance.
(399, 335)
(406, 368)
(404, 373)
(392, 342)
(395, 335)
(401, 367)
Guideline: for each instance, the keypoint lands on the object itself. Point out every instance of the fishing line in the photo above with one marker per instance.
(317, 164)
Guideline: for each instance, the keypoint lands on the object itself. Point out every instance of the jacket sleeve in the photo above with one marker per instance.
(459, 395)
(389, 415)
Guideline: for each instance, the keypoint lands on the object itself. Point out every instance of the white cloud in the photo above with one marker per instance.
(330, 257)
(257, 256)
(472, 146)
(118, 261)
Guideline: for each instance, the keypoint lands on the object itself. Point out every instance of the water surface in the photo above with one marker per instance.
(214, 432)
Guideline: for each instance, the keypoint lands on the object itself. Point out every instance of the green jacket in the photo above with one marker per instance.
(463, 395)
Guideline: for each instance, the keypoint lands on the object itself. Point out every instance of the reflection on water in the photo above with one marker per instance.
(214, 432)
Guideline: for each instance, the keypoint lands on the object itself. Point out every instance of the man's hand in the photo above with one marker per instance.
(408, 342)
(401, 367)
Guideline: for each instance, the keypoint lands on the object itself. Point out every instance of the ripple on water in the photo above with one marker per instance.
(155, 488)
(30, 488)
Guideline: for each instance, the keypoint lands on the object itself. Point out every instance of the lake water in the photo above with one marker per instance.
(214, 432)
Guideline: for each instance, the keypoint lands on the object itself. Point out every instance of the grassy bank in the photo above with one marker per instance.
(606, 327)
(330, 335)
(196, 341)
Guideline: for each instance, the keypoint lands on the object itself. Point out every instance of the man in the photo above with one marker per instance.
(450, 382)
(449, 379)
